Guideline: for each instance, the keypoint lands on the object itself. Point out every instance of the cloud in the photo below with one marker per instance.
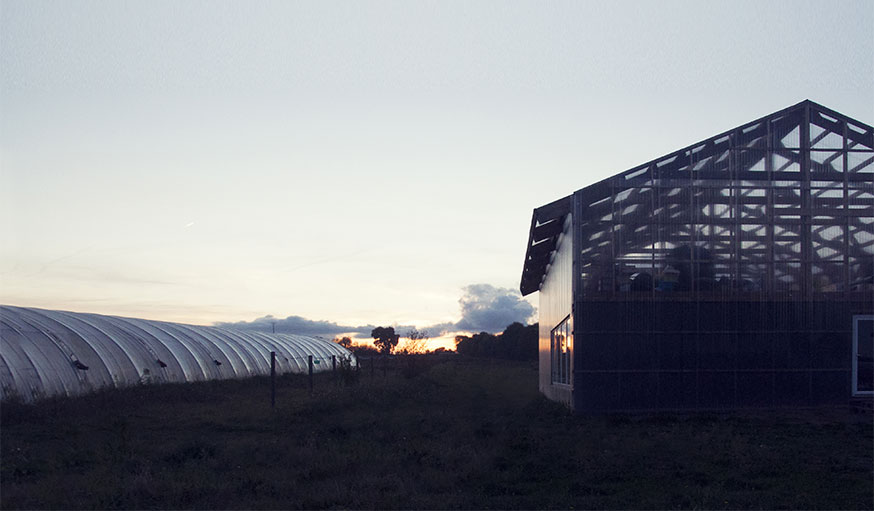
(486, 308)
(299, 325)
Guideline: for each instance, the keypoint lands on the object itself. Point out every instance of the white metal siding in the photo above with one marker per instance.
(556, 297)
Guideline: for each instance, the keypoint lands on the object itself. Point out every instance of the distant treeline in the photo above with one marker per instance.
(516, 342)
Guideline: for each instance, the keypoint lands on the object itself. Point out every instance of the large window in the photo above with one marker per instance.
(562, 344)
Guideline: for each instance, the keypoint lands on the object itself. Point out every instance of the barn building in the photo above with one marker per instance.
(46, 353)
(733, 273)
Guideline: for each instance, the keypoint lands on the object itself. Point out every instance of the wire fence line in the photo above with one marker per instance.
(355, 370)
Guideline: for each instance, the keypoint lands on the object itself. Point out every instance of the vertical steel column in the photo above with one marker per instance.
(845, 157)
(806, 237)
(769, 207)
(804, 188)
(613, 211)
(734, 201)
(653, 225)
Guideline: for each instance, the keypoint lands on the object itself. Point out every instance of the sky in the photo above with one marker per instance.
(328, 166)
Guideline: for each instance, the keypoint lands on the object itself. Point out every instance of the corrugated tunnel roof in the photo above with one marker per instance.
(45, 353)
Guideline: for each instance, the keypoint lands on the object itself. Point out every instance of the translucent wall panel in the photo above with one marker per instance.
(777, 206)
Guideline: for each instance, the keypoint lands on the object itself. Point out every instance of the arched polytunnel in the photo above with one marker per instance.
(46, 353)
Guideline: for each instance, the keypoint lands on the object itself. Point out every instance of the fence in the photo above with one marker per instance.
(342, 371)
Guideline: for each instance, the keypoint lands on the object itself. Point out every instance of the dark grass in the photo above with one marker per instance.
(454, 435)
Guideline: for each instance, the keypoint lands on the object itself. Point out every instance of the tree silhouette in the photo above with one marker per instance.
(482, 344)
(416, 342)
(385, 339)
(346, 342)
(517, 342)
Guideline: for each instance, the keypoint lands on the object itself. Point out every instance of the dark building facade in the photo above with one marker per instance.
(737, 272)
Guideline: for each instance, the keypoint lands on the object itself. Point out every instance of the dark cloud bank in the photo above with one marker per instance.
(484, 308)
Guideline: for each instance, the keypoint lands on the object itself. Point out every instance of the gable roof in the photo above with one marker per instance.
(804, 126)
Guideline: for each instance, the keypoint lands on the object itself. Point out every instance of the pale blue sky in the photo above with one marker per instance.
(359, 162)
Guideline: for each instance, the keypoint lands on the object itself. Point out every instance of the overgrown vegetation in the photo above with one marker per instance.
(459, 434)
(516, 342)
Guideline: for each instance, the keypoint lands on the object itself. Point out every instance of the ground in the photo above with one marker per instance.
(452, 434)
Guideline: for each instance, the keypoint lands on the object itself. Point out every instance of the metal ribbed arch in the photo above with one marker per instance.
(172, 372)
(203, 367)
(239, 358)
(260, 349)
(135, 351)
(5, 372)
(286, 357)
(11, 349)
(116, 353)
(296, 355)
(318, 353)
(51, 358)
(201, 354)
(328, 352)
(205, 351)
(87, 345)
(178, 351)
(35, 367)
(263, 347)
(39, 350)
(335, 349)
(22, 369)
(297, 352)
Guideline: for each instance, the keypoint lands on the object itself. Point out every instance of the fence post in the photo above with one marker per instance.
(272, 379)
(371, 367)
(310, 362)
(334, 369)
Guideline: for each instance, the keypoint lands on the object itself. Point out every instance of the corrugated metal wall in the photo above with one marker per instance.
(556, 297)
(44, 353)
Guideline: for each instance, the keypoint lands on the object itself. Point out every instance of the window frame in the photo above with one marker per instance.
(561, 340)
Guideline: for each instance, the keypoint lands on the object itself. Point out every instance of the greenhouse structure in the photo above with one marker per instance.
(737, 272)
(47, 353)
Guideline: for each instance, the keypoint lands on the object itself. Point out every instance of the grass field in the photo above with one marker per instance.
(458, 434)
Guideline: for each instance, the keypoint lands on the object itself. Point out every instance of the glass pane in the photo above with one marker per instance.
(786, 161)
(861, 162)
(826, 161)
(786, 131)
(825, 132)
